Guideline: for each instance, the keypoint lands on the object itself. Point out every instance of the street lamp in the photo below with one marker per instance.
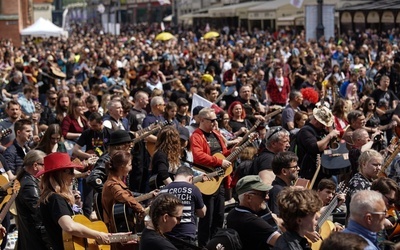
(320, 25)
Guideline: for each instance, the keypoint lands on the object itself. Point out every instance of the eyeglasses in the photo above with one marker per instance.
(178, 218)
(379, 213)
(69, 171)
(211, 120)
(292, 167)
(390, 201)
(371, 104)
(275, 131)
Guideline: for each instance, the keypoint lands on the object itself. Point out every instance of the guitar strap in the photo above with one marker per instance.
(199, 166)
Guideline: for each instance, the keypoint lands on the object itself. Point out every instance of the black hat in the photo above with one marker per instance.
(120, 137)
(197, 109)
(183, 133)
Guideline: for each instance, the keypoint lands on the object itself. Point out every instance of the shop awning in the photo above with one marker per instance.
(231, 10)
(290, 20)
(266, 10)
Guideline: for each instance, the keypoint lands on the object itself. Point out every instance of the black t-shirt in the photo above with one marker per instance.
(236, 126)
(254, 232)
(151, 240)
(381, 97)
(263, 161)
(95, 140)
(136, 118)
(213, 142)
(52, 211)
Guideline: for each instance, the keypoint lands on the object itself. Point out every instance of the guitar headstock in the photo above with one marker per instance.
(318, 160)
(92, 160)
(253, 137)
(16, 186)
(5, 132)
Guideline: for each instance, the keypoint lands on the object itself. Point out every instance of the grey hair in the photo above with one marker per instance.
(205, 112)
(33, 156)
(156, 100)
(363, 202)
(273, 136)
(112, 102)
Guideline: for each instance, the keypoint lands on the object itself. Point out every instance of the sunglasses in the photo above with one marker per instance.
(275, 131)
(211, 120)
(371, 104)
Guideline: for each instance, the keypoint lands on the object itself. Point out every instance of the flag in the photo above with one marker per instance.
(297, 3)
(162, 26)
(200, 101)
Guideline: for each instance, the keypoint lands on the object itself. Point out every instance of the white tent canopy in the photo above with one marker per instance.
(43, 28)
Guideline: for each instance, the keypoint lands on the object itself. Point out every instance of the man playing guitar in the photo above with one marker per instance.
(207, 141)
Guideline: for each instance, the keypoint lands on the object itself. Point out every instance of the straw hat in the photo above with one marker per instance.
(323, 115)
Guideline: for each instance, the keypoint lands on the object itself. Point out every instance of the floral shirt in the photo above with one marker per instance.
(357, 182)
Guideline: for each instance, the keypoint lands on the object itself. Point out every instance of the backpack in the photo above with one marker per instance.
(225, 238)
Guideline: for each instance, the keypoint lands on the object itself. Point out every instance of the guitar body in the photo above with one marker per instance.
(210, 187)
(123, 218)
(326, 229)
(301, 182)
(75, 243)
(6, 193)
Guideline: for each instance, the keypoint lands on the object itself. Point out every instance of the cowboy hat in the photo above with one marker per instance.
(57, 161)
(323, 115)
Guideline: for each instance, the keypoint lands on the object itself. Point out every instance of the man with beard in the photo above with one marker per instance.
(286, 170)
(48, 115)
(96, 140)
(62, 106)
(311, 141)
(13, 110)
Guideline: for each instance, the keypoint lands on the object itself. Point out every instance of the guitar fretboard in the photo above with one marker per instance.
(120, 238)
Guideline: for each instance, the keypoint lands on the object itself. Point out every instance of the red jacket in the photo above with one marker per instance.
(202, 152)
(277, 96)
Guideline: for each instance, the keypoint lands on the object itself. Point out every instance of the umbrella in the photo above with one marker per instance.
(211, 34)
(164, 36)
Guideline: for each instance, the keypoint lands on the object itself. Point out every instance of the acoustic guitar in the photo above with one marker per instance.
(325, 226)
(388, 161)
(210, 187)
(7, 206)
(302, 182)
(124, 216)
(76, 243)
(6, 190)
(5, 132)
(151, 146)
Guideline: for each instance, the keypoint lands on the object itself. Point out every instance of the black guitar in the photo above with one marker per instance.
(124, 216)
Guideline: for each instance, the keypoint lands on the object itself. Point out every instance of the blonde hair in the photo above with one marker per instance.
(366, 156)
(54, 183)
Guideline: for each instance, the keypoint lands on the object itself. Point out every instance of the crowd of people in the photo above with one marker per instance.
(177, 131)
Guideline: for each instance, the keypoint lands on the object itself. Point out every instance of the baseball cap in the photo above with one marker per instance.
(251, 182)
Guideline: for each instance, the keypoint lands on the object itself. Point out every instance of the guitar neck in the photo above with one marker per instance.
(237, 151)
(6, 208)
(144, 197)
(390, 159)
(120, 238)
(327, 212)
(144, 135)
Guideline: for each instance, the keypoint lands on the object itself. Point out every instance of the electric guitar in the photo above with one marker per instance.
(7, 206)
(325, 226)
(76, 243)
(211, 186)
(124, 216)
